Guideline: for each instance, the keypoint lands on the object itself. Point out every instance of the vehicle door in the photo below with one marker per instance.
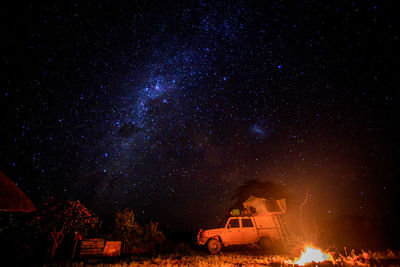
(248, 231)
(232, 234)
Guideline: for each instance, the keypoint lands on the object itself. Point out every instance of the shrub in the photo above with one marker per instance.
(56, 219)
(136, 239)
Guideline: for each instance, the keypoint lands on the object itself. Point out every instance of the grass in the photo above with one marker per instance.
(231, 259)
(363, 258)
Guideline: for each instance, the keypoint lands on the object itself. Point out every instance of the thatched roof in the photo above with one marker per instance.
(12, 198)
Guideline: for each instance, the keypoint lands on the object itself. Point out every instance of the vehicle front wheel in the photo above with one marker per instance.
(214, 246)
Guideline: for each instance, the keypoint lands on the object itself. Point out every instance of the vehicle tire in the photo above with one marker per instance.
(214, 246)
(265, 243)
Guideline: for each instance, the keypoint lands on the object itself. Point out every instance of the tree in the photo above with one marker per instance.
(253, 187)
(127, 229)
(152, 236)
(134, 237)
(56, 219)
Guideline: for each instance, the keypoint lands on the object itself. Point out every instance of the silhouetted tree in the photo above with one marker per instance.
(56, 219)
(253, 187)
(152, 236)
(134, 237)
(127, 230)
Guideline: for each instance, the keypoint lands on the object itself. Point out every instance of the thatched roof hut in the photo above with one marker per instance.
(12, 198)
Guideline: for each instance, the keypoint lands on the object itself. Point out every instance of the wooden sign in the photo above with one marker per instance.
(92, 246)
(112, 248)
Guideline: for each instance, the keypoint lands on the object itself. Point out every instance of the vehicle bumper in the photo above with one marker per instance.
(200, 239)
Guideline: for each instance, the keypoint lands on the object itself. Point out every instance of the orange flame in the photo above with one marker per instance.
(311, 254)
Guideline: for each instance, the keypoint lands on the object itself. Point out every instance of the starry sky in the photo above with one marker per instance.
(166, 107)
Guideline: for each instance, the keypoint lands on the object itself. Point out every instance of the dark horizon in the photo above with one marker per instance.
(167, 107)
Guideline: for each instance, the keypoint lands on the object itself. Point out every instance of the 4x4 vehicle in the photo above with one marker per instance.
(246, 228)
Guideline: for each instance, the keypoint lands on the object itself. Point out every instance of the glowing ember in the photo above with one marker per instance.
(311, 254)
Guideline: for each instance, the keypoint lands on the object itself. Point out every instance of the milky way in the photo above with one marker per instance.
(167, 108)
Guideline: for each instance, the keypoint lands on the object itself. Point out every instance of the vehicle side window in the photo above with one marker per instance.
(247, 223)
(233, 223)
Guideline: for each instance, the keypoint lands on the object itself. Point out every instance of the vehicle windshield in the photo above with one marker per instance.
(222, 222)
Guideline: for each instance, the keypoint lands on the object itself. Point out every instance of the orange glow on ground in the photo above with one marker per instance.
(311, 254)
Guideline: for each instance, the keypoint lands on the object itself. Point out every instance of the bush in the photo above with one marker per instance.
(57, 219)
(136, 239)
(127, 230)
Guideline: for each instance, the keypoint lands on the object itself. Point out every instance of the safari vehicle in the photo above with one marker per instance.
(259, 224)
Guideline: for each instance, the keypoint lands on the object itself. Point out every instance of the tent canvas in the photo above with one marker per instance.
(262, 205)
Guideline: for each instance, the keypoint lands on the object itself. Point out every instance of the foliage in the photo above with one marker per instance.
(134, 237)
(56, 219)
(127, 230)
(152, 236)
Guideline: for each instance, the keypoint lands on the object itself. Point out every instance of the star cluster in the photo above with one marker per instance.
(167, 107)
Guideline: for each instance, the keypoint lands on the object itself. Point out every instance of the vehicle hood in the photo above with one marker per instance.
(214, 231)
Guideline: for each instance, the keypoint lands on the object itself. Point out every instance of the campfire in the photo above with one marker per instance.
(311, 254)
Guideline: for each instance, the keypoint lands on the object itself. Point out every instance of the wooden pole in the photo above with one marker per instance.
(73, 252)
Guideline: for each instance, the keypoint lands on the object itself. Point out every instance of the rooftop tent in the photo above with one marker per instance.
(12, 198)
(261, 205)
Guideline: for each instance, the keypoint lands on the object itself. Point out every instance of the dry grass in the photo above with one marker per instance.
(369, 258)
(225, 260)
(364, 258)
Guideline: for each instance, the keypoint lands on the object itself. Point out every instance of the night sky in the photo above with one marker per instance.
(166, 107)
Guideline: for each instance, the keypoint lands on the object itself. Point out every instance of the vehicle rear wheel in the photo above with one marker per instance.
(214, 246)
(265, 243)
